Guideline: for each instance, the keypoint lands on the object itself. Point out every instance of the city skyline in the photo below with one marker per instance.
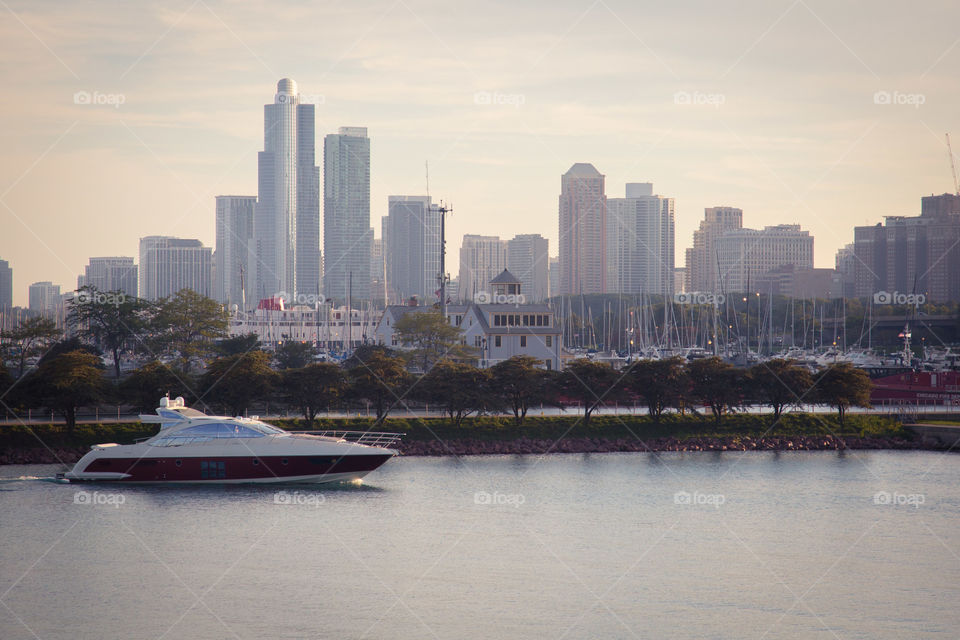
(798, 115)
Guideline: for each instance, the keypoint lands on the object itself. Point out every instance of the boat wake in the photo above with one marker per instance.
(31, 478)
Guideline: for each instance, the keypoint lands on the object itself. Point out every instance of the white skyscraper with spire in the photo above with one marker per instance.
(287, 219)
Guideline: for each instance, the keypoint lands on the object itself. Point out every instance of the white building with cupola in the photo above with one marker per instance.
(498, 324)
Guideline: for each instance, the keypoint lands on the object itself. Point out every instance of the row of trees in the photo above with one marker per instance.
(184, 329)
(70, 376)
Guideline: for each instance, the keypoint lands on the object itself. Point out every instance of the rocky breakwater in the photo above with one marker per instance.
(467, 447)
(40, 455)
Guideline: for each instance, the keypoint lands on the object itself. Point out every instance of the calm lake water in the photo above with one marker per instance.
(702, 545)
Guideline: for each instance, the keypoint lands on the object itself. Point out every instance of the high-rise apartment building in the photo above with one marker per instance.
(44, 298)
(378, 274)
(945, 204)
(411, 236)
(168, 265)
(6, 285)
(912, 254)
(482, 258)
(702, 264)
(640, 242)
(347, 237)
(287, 213)
(235, 251)
(583, 214)
(528, 258)
(845, 265)
(117, 273)
(747, 254)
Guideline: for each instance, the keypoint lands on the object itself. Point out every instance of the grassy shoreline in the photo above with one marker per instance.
(500, 429)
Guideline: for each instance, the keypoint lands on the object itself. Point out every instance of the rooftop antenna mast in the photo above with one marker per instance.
(442, 277)
(953, 168)
(443, 210)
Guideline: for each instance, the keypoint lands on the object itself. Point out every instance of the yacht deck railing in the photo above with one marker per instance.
(369, 438)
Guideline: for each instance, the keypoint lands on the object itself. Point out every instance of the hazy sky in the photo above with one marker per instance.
(782, 119)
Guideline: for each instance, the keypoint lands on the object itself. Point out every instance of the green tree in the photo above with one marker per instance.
(67, 382)
(843, 386)
(111, 320)
(144, 387)
(238, 344)
(66, 345)
(716, 384)
(6, 381)
(187, 327)
(778, 383)
(522, 384)
(593, 383)
(314, 387)
(661, 384)
(431, 338)
(294, 355)
(380, 379)
(460, 388)
(366, 351)
(236, 382)
(29, 339)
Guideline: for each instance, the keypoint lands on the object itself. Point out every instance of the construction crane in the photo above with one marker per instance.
(953, 168)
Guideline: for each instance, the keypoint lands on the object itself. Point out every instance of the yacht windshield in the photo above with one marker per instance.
(217, 431)
(265, 428)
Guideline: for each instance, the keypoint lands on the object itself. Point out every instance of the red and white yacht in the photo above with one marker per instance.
(196, 448)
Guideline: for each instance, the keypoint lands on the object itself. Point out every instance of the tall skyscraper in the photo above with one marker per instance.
(168, 265)
(347, 239)
(44, 297)
(287, 214)
(583, 215)
(482, 258)
(701, 275)
(6, 285)
(411, 236)
(235, 251)
(528, 258)
(640, 242)
(747, 254)
(918, 254)
(111, 274)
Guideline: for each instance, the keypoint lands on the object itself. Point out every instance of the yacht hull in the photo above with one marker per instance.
(228, 469)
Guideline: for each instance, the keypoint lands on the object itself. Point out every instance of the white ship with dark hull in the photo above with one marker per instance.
(193, 447)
